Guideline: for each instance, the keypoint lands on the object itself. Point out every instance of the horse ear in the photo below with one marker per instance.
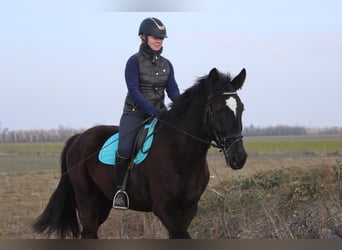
(213, 75)
(238, 81)
(212, 79)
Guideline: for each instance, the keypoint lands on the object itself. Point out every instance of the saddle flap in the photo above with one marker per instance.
(108, 150)
(142, 145)
(144, 142)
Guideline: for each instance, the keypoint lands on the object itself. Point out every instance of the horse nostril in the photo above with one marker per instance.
(234, 161)
(237, 162)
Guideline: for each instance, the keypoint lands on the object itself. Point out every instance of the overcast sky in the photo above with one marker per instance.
(62, 62)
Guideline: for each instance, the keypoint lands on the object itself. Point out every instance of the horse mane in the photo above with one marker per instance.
(187, 96)
(200, 88)
(180, 105)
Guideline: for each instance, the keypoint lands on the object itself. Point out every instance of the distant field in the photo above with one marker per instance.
(298, 144)
(31, 148)
(22, 157)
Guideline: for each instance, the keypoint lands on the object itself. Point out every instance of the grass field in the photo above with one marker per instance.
(295, 144)
(290, 187)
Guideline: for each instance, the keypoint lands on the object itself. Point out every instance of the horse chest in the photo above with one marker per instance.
(194, 184)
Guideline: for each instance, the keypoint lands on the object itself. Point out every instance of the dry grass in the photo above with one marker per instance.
(272, 197)
(286, 199)
(23, 196)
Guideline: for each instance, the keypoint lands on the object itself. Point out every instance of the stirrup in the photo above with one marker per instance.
(127, 199)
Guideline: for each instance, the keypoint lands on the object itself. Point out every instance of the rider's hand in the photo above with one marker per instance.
(157, 113)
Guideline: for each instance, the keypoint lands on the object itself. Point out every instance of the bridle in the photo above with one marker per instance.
(221, 141)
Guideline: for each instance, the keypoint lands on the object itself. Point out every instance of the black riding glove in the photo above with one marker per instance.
(157, 113)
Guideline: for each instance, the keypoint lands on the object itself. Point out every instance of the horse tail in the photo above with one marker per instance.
(60, 214)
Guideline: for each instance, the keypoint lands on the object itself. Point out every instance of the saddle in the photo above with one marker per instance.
(142, 145)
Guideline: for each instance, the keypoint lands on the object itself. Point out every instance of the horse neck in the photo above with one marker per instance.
(190, 128)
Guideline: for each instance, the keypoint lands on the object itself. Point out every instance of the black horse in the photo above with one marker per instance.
(169, 182)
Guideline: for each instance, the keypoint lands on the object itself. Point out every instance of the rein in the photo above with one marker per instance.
(188, 134)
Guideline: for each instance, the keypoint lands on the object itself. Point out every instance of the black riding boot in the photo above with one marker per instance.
(121, 198)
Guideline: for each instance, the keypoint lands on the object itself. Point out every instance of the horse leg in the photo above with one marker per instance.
(187, 215)
(88, 210)
(179, 235)
(105, 207)
(176, 220)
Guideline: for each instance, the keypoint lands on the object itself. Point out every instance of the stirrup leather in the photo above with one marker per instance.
(127, 199)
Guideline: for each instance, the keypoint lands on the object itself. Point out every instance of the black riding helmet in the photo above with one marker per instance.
(152, 27)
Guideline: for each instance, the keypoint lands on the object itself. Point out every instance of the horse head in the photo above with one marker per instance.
(223, 116)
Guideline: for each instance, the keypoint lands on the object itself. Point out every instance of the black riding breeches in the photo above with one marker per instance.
(128, 130)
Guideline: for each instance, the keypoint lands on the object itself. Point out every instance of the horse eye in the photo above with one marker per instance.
(217, 111)
(216, 108)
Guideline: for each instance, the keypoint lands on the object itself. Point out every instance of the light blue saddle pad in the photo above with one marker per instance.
(109, 148)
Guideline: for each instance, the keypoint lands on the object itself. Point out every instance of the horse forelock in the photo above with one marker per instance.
(223, 84)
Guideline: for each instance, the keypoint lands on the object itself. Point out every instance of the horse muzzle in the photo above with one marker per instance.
(235, 154)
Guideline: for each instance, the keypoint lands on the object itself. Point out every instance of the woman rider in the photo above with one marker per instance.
(148, 75)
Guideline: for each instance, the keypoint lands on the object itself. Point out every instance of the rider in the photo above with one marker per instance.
(148, 75)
